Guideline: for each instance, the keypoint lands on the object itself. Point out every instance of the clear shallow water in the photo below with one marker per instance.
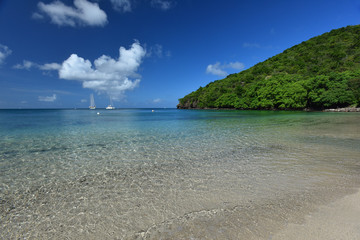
(170, 174)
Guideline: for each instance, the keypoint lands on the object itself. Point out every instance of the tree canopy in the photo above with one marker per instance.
(323, 72)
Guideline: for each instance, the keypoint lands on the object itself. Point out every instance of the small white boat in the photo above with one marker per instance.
(110, 107)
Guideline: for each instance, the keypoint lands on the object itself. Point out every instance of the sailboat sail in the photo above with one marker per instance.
(110, 107)
(92, 102)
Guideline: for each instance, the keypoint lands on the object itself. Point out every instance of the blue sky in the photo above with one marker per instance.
(145, 53)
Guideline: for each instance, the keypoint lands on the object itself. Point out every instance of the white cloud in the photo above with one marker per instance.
(105, 75)
(127, 5)
(47, 98)
(218, 69)
(50, 66)
(157, 100)
(83, 14)
(108, 75)
(37, 15)
(162, 4)
(27, 65)
(4, 53)
(157, 51)
(235, 65)
(121, 5)
(83, 100)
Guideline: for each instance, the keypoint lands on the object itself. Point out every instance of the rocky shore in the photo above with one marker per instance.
(348, 109)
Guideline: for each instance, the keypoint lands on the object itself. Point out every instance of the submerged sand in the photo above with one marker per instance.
(338, 220)
(257, 176)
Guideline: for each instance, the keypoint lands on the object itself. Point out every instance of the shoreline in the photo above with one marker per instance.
(337, 220)
(346, 109)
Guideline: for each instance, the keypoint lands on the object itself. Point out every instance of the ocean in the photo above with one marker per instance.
(168, 173)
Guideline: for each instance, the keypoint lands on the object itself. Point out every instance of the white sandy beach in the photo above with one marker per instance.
(339, 220)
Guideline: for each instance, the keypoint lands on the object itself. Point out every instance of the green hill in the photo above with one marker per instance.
(323, 72)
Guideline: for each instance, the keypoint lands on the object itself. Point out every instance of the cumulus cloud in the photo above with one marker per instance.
(121, 5)
(215, 69)
(4, 53)
(47, 98)
(108, 75)
(218, 68)
(157, 100)
(83, 13)
(104, 75)
(162, 4)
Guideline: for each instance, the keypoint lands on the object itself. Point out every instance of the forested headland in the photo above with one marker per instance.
(323, 72)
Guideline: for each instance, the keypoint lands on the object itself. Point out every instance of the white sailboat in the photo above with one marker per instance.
(110, 107)
(92, 102)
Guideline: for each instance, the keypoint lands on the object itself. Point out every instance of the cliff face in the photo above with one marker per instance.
(323, 72)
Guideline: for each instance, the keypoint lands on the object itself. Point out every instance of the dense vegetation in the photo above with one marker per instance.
(323, 72)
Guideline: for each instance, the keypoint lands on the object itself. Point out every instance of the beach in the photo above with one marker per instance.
(339, 220)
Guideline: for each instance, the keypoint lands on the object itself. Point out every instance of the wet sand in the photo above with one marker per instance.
(338, 220)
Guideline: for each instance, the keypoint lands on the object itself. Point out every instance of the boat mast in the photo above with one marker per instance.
(92, 102)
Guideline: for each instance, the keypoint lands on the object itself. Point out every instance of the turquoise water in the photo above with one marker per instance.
(172, 174)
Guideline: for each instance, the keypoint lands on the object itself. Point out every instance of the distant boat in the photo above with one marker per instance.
(110, 106)
(92, 102)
